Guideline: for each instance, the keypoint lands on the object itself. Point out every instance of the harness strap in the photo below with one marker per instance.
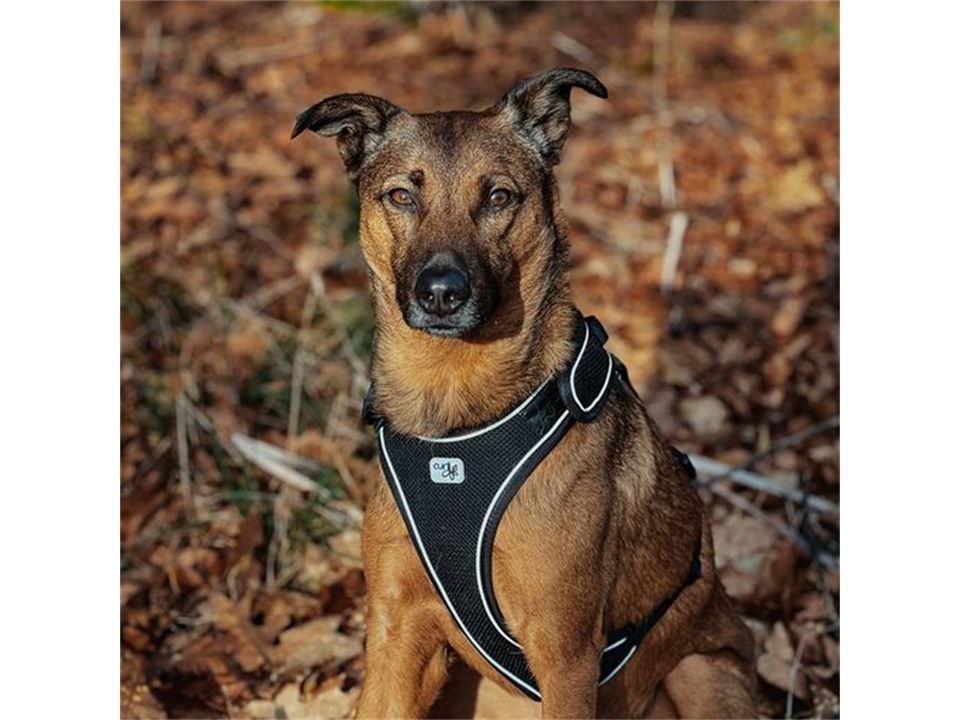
(585, 385)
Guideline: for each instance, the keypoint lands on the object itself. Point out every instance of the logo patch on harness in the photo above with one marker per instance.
(446, 470)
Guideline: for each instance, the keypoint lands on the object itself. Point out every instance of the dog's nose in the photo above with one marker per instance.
(441, 289)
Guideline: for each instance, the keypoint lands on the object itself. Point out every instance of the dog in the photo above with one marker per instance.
(467, 253)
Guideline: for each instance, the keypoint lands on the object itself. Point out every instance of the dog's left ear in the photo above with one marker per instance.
(539, 107)
(359, 121)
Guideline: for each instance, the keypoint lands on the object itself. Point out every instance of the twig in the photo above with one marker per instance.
(574, 48)
(745, 477)
(797, 661)
(345, 430)
(278, 541)
(661, 62)
(785, 530)
(671, 257)
(794, 669)
(296, 392)
(661, 51)
(665, 173)
(197, 416)
(791, 440)
(716, 470)
(232, 60)
(349, 481)
(280, 463)
(320, 289)
(351, 514)
(151, 51)
(296, 378)
(158, 452)
(269, 294)
(243, 310)
(286, 466)
(827, 596)
(183, 452)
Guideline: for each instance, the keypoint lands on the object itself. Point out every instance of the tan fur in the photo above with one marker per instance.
(602, 530)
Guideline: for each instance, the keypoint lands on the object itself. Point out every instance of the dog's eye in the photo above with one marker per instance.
(499, 197)
(401, 197)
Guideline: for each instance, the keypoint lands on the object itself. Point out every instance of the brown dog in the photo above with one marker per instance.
(467, 252)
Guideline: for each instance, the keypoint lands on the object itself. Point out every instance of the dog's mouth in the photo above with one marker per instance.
(445, 331)
(453, 326)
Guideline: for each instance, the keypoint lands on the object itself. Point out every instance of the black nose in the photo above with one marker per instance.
(442, 289)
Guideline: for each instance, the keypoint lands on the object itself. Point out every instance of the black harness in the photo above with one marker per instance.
(453, 491)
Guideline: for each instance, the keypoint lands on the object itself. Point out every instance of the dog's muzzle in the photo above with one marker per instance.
(446, 299)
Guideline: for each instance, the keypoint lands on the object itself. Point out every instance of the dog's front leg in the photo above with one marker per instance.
(406, 656)
(566, 662)
(406, 661)
(568, 681)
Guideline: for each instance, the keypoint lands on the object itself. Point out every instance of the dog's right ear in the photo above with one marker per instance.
(539, 107)
(359, 121)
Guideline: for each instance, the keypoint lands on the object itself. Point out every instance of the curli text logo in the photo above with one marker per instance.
(446, 470)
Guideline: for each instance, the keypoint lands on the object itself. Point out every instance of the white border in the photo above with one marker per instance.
(899, 385)
(59, 300)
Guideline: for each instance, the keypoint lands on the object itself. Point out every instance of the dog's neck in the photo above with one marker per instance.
(429, 386)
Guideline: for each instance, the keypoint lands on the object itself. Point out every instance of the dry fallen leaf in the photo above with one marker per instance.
(136, 698)
(250, 342)
(775, 663)
(706, 415)
(796, 189)
(788, 316)
(331, 703)
(754, 563)
(314, 643)
(250, 651)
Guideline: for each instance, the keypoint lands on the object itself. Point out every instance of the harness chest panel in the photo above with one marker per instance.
(452, 493)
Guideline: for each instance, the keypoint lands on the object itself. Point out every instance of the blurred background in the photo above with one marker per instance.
(703, 200)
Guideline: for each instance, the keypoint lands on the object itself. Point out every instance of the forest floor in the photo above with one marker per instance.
(703, 200)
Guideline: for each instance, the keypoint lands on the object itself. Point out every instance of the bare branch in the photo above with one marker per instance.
(296, 379)
(671, 257)
(574, 48)
(717, 470)
(280, 463)
(822, 558)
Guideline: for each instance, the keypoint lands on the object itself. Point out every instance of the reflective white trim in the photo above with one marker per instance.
(488, 428)
(433, 574)
(486, 518)
(576, 363)
(617, 644)
(620, 665)
(573, 375)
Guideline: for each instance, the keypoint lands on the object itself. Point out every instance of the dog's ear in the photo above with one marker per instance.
(359, 121)
(539, 107)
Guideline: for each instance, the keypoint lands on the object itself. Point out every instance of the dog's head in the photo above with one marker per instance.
(450, 202)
